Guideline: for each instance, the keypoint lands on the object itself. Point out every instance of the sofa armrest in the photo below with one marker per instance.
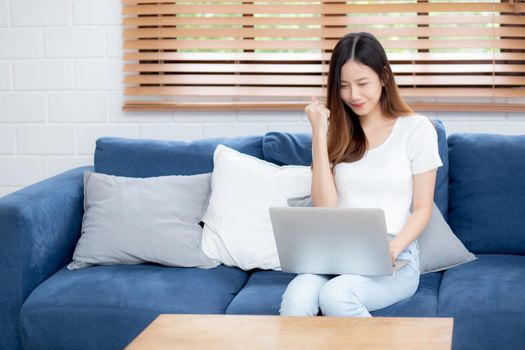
(39, 228)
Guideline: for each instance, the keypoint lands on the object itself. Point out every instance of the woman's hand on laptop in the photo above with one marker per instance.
(394, 251)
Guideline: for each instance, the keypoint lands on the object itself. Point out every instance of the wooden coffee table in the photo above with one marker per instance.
(277, 332)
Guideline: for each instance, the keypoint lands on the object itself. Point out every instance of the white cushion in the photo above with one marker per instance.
(237, 230)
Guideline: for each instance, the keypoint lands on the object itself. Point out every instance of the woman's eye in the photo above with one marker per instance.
(362, 84)
(344, 86)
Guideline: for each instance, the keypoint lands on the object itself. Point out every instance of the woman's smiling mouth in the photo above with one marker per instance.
(357, 105)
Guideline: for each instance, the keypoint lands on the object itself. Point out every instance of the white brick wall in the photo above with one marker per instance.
(5, 76)
(7, 139)
(290, 127)
(5, 190)
(4, 13)
(88, 134)
(204, 117)
(20, 43)
(21, 171)
(45, 139)
(43, 75)
(74, 107)
(74, 42)
(99, 75)
(221, 129)
(58, 165)
(179, 131)
(263, 116)
(117, 115)
(114, 41)
(61, 88)
(31, 13)
(92, 12)
(22, 107)
(508, 128)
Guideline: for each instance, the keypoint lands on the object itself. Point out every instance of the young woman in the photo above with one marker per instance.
(370, 150)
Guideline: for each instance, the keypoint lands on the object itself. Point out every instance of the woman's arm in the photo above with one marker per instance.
(324, 192)
(423, 188)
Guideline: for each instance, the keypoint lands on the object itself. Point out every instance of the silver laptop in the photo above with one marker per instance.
(333, 241)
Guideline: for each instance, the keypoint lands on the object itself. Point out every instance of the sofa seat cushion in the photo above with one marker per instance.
(422, 304)
(148, 158)
(263, 292)
(487, 300)
(105, 307)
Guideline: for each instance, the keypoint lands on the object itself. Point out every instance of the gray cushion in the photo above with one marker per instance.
(134, 220)
(439, 248)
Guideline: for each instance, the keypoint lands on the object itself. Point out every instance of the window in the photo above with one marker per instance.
(268, 54)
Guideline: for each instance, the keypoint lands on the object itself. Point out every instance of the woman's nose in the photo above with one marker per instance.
(354, 95)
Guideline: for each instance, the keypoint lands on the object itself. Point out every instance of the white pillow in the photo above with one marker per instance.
(237, 230)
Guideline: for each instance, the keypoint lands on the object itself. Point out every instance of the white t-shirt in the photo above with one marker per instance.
(383, 177)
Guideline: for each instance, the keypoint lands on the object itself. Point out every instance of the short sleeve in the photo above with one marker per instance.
(422, 147)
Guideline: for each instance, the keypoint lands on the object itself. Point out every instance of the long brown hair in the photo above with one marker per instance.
(346, 139)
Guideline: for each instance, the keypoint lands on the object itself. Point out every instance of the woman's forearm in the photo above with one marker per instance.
(415, 224)
(324, 191)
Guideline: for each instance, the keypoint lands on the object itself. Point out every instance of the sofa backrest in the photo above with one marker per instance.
(148, 158)
(296, 149)
(487, 192)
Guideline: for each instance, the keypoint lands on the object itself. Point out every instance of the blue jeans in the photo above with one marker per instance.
(351, 295)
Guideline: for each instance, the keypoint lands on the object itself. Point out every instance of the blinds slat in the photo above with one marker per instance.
(169, 44)
(317, 68)
(465, 80)
(201, 80)
(321, 9)
(224, 91)
(302, 92)
(136, 2)
(314, 32)
(379, 19)
(225, 68)
(301, 56)
(299, 106)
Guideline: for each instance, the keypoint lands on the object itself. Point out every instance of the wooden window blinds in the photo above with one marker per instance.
(274, 55)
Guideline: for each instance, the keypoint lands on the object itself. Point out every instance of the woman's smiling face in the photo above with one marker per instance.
(360, 88)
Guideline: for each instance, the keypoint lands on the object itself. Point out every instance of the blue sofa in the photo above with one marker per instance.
(480, 190)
